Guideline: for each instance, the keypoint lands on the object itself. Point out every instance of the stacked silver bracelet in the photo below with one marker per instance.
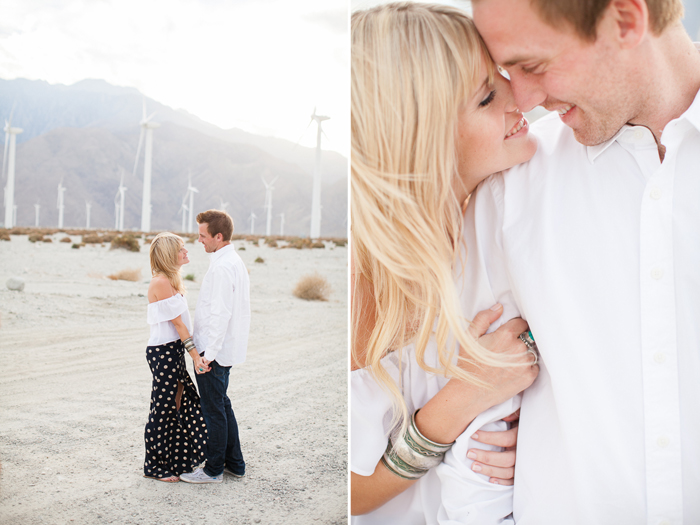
(412, 455)
(189, 344)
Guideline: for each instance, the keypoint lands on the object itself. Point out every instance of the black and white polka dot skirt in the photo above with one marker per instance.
(175, 439)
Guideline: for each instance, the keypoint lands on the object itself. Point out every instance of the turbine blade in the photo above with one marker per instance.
(143, 113)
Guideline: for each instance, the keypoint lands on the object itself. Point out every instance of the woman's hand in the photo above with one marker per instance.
(499, 466)
(199, 366)
(505, 381)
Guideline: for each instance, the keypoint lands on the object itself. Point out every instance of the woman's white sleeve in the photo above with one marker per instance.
(370, 413)
(166, 310)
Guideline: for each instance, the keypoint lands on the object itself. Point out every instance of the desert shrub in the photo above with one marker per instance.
(340, 242)
(299, 243)
(4, 235)
(92, 238)
(259, 260)
(108, 237)
(312, 287)
(126, 242)
(318, 244)
(66, 239)
(192, 239)
(47, 239)
(76, 246)
(241, 248)
(126, 275)
(36, 237)
(189, 277)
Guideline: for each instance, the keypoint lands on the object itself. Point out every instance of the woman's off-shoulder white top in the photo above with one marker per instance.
(160, 313)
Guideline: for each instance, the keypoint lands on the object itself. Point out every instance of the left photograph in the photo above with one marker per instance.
(174, 262)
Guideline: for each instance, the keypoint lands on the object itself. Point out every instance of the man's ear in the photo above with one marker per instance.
(629, 19)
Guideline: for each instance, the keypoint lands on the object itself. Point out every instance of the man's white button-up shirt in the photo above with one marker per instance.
(598, 248)
(222, 317)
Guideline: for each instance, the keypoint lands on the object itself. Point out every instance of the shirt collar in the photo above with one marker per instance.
(220, 252)
(595, 151)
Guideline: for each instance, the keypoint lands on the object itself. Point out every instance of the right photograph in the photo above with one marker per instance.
(524, 262)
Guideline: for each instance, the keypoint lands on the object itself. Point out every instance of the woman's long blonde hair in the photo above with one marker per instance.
(413, 65)
(164, 251)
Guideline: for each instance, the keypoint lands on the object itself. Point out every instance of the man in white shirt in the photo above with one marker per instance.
(596, 243)
(221, 326)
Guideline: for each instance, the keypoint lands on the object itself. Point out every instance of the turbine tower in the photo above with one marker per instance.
(251, 219)
(37, 206)
(183, 211)
(87, 210)
(119, 205)
(268, 203)
(281, 224)
(147, 128)
(191, 190)
(59, 204)
(316, 195)
(8, 165)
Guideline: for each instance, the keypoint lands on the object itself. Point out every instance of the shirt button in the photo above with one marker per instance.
(657, 273)
(656, 193)
(638, 133)
(659, 357)
(663, 442)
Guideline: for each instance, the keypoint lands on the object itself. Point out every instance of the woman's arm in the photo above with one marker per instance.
(454, 407)
(184, 334)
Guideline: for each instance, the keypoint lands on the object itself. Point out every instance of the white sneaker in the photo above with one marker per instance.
(199, 476)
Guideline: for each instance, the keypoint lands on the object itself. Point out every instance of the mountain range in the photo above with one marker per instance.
(86, 136)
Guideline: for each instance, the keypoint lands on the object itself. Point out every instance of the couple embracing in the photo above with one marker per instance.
(181, 433)
(585, 231)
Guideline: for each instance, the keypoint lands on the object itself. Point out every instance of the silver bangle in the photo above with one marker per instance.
(411, 455)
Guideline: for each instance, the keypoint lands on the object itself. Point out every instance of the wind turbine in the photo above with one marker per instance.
(59, 205)
(191, 190)
(281, 224)
(8, 163)
(268, 203)
(183, 211)
(316, 195)
(147, 128)
(224, 205)
(37, 206)
(251, 219)
(119, 205)
(87, 209)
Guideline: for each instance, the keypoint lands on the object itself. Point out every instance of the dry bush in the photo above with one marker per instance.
(4, 235)
(126, 242)
(47, 239)
(108, 237)
(66, 239)
(318, 244)
(242, 247)
(252, 238)
(126, 275)
(92, 239)
(77, 246)
(299, 243)
(312, 287)
(271, 242)
(237, 237)
(259, 260)
(339, 242)
(189, 277)
(36, 237)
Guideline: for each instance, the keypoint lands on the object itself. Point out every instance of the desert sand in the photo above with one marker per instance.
(75, 391)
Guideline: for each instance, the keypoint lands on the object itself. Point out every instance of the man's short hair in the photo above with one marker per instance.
(584, 15)
(217, 222)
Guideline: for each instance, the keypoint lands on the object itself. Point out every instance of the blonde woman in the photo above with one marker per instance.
(431, 118)
(175, 433)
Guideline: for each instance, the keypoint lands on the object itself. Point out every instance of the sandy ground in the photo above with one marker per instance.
(75, 387)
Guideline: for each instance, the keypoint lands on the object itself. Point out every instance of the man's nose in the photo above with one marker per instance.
(527, 91)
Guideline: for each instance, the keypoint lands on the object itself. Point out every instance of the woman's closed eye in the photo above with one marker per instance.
(489, 98)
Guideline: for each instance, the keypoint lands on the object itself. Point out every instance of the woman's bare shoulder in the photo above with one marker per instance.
(159, 289)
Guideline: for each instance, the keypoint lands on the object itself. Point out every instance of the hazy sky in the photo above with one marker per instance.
(259, 65)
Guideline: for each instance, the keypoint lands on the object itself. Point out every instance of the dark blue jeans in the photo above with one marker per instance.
(223, 446)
